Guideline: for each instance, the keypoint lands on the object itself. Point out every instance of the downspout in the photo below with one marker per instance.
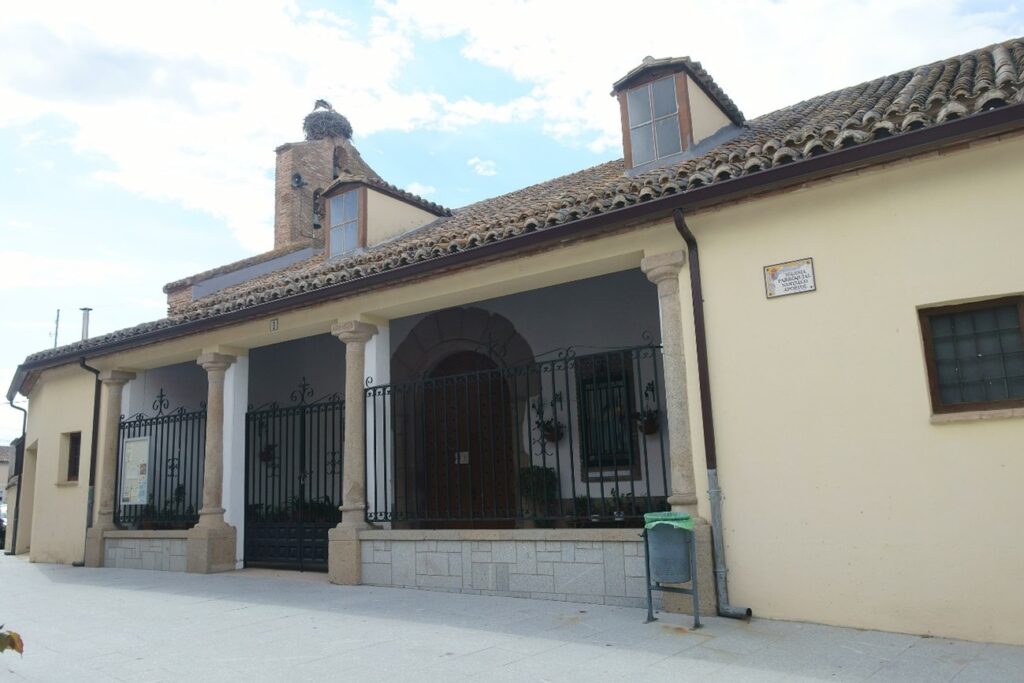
(21, 479)
(725, 609)
(93, 442)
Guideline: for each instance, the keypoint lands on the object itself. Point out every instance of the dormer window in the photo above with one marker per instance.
(671, 110)
(345, 230)
(654, 121)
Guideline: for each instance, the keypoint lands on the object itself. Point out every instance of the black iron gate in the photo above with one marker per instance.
(293, 480)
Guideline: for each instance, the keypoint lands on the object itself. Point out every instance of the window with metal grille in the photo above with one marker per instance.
(975, 355)
(74, 451)
(605, 410)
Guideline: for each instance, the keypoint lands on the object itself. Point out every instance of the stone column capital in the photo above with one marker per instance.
(353, 331)
(116, 377)
(663, 266)
(212, 362)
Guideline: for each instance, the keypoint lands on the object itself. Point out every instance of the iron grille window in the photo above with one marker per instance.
(975, 355)
(605, 407)
(74, 446)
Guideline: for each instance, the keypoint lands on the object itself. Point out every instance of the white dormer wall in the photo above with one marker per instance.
(387, 217)
(706, 118)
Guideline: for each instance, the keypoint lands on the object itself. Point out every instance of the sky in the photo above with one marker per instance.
(137, 139)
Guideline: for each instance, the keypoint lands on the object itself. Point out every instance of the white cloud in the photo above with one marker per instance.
(187, 102)
(765, 55)
(24, 270)
(482, 166)
(421, 189)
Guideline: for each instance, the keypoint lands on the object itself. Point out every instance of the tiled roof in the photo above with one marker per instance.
(375, 182)
(921, 97)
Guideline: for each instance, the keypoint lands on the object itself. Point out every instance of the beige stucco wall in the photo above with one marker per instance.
(387, 217)
(60, 402)
(844, 504)
(705, 116)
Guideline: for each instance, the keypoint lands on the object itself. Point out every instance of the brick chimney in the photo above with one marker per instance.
(304, 169)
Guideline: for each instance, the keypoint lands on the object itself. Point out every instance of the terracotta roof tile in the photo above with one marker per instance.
(888, 106)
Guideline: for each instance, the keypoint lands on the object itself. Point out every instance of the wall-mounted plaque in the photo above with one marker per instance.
(791, 277)
(135, 471)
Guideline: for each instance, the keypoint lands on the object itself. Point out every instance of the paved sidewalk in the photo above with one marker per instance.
(110, 624)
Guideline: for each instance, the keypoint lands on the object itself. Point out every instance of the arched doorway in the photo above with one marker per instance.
(469, 455)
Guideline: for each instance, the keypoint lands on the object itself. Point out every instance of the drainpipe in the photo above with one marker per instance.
(21, 481)
(95, 430)
(725, 609)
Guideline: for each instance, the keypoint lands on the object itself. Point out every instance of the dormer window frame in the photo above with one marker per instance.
(680, 116)
(339, 225)
(651, 116)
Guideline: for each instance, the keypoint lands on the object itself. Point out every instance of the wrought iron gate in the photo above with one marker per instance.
(293, 480)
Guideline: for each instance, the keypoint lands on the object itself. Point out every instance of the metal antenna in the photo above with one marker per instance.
(56, 329)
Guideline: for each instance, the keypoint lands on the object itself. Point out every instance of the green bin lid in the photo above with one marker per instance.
(679, 520)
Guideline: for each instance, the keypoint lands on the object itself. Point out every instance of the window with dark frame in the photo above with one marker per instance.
(975, 355)
(605, 413)
(344, 232)
(653, 121)
(74, 455)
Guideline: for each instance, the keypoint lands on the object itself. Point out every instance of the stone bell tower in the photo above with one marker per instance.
(304, 169)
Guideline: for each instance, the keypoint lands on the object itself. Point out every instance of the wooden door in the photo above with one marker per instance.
(468, 429)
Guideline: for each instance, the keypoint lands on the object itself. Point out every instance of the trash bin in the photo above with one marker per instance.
(670, 556)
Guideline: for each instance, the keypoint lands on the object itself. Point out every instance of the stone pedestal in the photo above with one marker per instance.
(94, 545)
(211, 549)
(683, 604)
(344, 557)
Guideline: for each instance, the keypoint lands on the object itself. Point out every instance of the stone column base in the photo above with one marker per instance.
(94, 549)
(211, 549)
(344, 557)
(683, 604)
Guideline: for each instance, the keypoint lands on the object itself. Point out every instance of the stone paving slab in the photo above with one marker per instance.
(132, 625)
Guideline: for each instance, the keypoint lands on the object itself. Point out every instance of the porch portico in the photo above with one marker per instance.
(490, 427)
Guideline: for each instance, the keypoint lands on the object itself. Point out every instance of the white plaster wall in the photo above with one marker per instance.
(705, 116)
(275, 371)
(184, 385)
(379, 450)
(236, 392)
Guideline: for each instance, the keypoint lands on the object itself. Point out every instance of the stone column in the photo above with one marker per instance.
(105, 493)
(211, 542)
(663, 270)
(343, 555)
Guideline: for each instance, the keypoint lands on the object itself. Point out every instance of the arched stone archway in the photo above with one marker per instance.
(443, 333)
(421, 394)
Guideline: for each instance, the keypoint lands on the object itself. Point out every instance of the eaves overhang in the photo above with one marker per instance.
(984, 124)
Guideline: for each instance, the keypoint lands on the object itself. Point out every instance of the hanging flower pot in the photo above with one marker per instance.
(553, 431)
(648, 422)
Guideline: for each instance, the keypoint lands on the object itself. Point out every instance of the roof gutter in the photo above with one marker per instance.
(987, 123)
(725, 608)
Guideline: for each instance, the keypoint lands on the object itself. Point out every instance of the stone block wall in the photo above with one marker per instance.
(607, 572)
(167, 554)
